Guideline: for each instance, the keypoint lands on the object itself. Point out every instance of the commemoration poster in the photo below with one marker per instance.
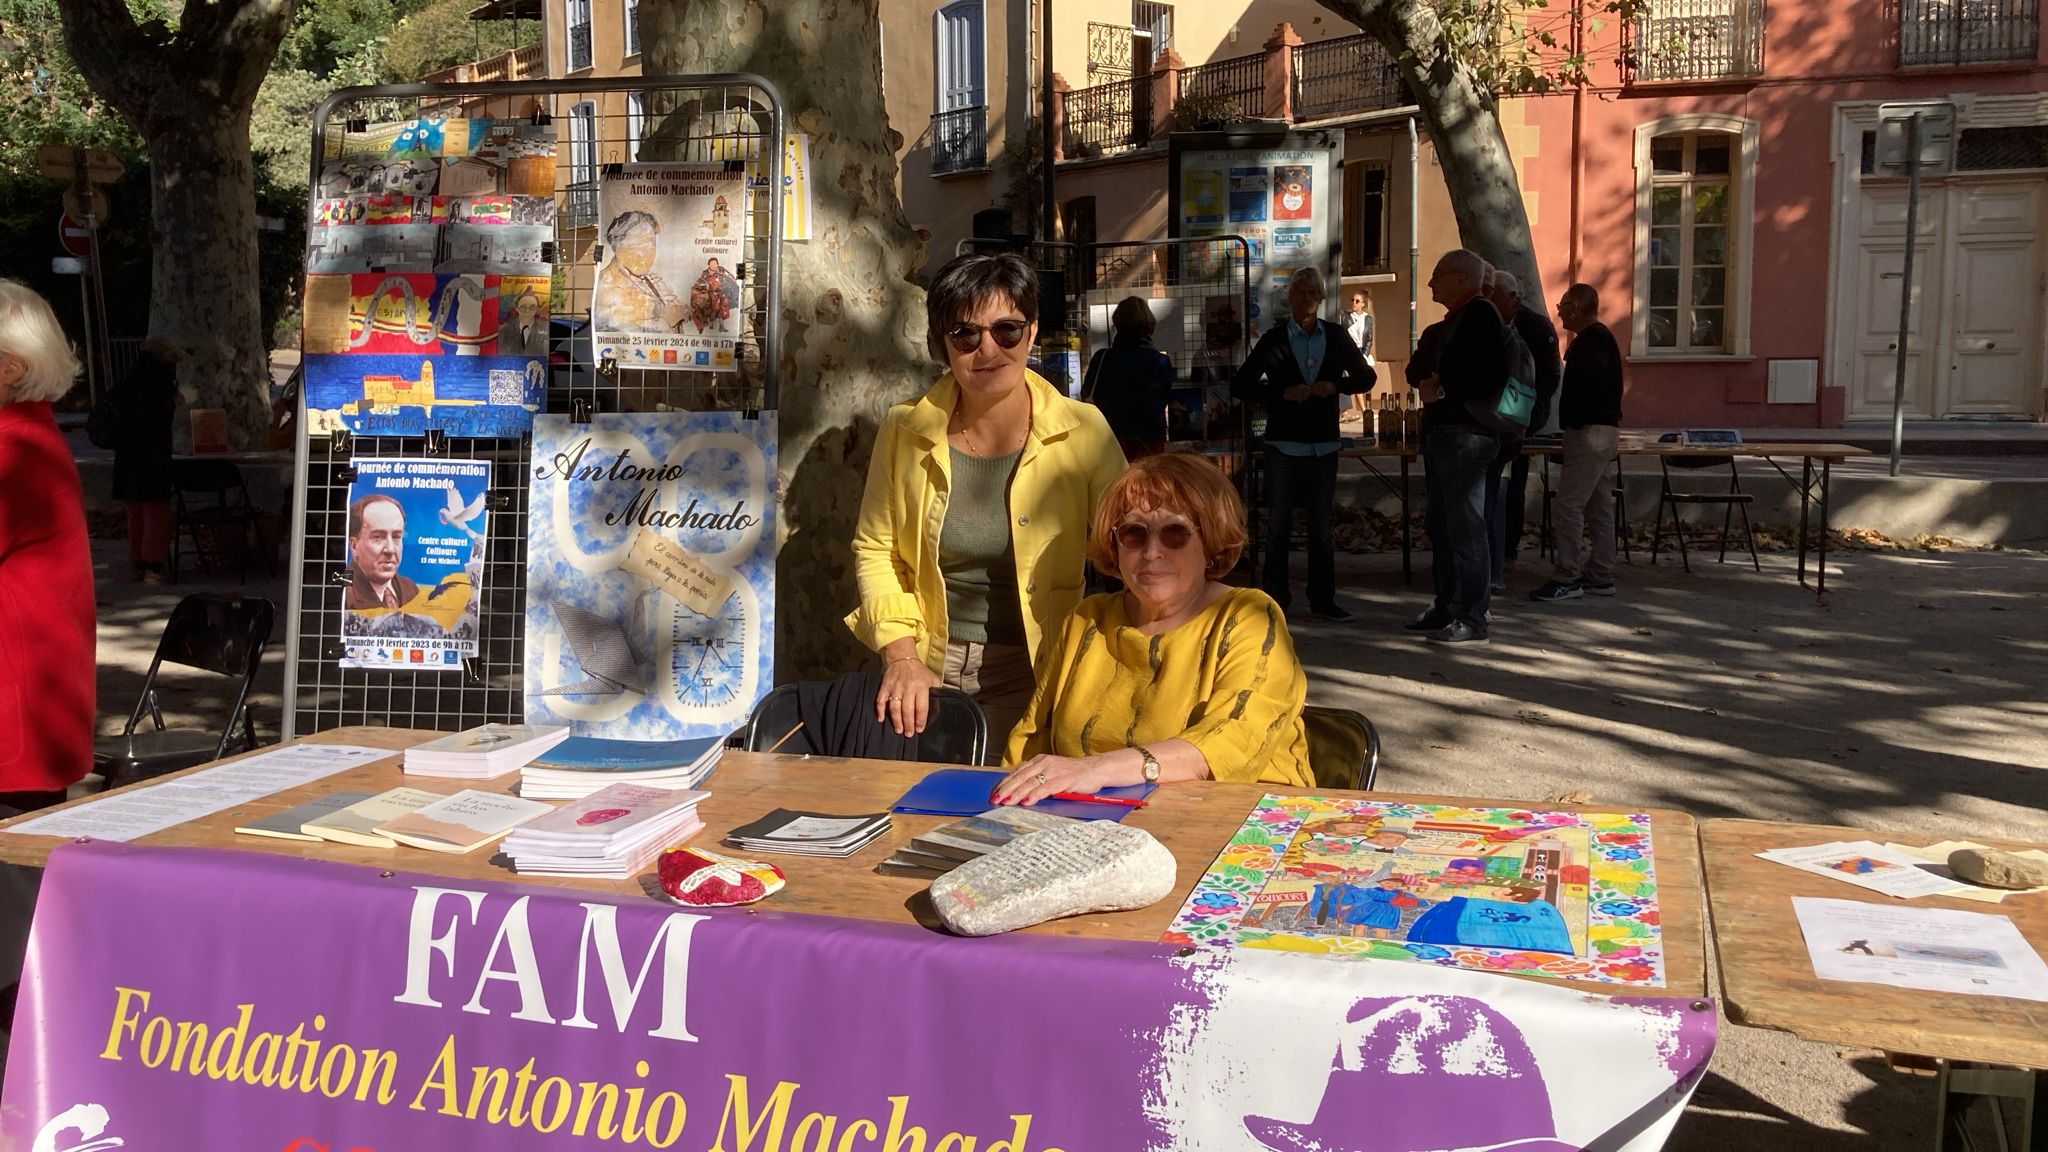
(416, 531)
(1281, 200)
(650, 586)
(668, 289)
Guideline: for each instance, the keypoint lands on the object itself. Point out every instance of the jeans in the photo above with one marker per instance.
(1308, 482)
(1457, 461)
(1497, 523)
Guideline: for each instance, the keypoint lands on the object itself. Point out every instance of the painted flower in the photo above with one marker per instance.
(1427, 952)
(1618, 907)
(1216, 903)
(1177, 939)
(1632, 972)
(1650, 916)
(1273, 815)
(1570, 966)
(1251, 856)
(1622, 839)
(1521, 817)
(1612, 952)
(1558, 819)
(1624, 854)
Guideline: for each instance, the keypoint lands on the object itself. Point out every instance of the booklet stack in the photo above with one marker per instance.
(933, 854)
(483, 753)
(809, 833)
(613, 833)
(581, 765)
(464, 822)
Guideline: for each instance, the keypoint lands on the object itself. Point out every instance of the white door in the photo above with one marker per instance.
(1992, 346)
(959, 35)
(1874, 326)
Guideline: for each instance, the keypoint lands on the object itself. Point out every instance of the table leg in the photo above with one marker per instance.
(1407, 544)
(1805, 495)
(1822, 582)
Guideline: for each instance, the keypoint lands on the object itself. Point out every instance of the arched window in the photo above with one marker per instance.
(1695, 197)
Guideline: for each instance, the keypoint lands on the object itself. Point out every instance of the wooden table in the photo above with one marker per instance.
(1767, 980)
(1193, 820)
(1366, 455)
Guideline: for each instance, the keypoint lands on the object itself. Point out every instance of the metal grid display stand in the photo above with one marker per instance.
(598, 123)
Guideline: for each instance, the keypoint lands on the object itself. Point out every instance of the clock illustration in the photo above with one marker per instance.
(713, 660)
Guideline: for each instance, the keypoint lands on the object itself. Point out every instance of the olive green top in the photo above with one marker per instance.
(976, 555)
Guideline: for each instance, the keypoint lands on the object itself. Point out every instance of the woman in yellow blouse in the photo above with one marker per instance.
(970, 545)
(1179, 676)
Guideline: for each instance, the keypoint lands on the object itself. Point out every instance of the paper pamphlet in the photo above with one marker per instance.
(1937, 854)
(1935, 949)
(1868, 864)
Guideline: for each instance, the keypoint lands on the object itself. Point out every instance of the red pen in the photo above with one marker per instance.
(1087, 798)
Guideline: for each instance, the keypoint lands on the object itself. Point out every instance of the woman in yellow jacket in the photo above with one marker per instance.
(973, 528)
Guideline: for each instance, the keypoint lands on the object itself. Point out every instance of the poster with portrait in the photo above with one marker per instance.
(668, 289)
(1276, 197)
(650, 573)
(415, 554)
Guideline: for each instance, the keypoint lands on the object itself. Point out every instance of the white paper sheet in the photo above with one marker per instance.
(1936, 949)
(133, 812)
(1868, 864)
(1937, 855)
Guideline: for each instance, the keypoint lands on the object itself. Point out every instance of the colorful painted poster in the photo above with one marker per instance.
(349, 1006)
(668, 291)
(1248, 188)
(1294, 192)
(650, 585)
(1496, 889)
(1204, 197)
(1296, 228)
(407, 395)
(380, 176)
(423, 136)
(796, 184)
(416, 531)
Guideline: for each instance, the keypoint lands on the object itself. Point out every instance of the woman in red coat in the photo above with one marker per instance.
(47, 630)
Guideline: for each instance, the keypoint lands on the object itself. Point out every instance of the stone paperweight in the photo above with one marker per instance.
(1995, 869)
(1090, 866)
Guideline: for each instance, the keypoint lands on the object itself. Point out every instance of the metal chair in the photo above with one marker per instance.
(1621, 544)
(1732, 501)
(956, 732)
(218, 525)
(1343, 748)
(214, 633)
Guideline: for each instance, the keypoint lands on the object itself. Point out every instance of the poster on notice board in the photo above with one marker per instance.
(668, 289)
(415, 551)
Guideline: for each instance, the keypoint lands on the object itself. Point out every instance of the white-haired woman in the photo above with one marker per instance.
(46, 610)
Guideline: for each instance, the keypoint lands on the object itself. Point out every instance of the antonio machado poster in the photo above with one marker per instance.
(415, 552)
(668, 289)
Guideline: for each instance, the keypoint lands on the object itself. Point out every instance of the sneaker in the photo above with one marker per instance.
(152, 575)
(1593, 589)
(1330, 611)
(1458, 632)
(1430, 621)
(1563, 590)
(1488, 618)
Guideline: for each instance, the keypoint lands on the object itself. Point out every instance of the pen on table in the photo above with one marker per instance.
(1089, 798)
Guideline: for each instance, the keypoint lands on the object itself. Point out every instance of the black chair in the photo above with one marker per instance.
(1732, 500)
(956, 732)
(212, 507)
(209, 631)
(1343, 747)
(1549, 539)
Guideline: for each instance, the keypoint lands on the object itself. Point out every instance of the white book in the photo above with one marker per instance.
(357, 823)
(463, 822)
(485, 751)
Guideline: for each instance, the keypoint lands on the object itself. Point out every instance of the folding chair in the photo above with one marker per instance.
(1620, 513)
(956, 731)
(1733, 500)
(212, 506)
(211, 632)
(1343, 747)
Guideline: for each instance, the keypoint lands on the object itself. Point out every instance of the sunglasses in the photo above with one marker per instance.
(967, 337)
(1136, 537)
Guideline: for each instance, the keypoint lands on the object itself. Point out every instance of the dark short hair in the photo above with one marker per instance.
(362, 504)
(1179, 482)
(626, 225)
(1585, 296)
(1133, 317)
(967, 282)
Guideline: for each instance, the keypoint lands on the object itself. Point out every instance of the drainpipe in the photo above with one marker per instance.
(1578, 129)
(1414, 236)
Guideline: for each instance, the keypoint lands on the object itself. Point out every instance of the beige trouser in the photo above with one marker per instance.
(998, 676)
(1585, 505)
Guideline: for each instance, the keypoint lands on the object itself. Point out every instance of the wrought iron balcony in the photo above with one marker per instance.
(1108, 118)
(960, 140)
(579, 205)
(1959, 32)
(1237, 84)
(1695, 40)
(1342, 77)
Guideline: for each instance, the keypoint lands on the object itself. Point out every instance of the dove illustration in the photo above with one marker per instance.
(601, 649)
(457, 514)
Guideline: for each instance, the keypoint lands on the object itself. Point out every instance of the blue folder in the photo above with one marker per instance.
(966, 791)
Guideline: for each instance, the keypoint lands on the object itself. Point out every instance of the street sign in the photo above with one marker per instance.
(79, 207)
(1937, 136)
(61, 162)
(67, 265)
(73, 236)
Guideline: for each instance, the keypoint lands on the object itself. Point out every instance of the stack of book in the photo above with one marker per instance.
(809, 833)
(612, 833)
(483, 753)
(463, 822)
(579, 766)
(933, 854)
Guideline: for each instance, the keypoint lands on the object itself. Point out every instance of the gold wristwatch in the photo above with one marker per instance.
(1151, 765)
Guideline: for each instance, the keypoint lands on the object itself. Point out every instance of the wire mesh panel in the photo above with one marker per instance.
(595, 125)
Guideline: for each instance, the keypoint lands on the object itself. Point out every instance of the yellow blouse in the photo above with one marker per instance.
(1226, 680)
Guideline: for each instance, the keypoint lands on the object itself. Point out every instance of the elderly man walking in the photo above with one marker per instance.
(1589, 411)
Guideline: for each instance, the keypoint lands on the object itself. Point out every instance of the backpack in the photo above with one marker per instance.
(1508, 412)
(103, 423)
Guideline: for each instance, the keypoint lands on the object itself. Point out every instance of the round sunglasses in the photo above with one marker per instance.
(966, 338)
(1136, 537)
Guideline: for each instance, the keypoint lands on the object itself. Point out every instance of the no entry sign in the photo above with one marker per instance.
(73, 236)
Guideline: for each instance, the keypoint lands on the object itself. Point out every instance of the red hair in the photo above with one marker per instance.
(1182, 483)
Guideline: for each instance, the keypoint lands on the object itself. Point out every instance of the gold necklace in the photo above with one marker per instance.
(973, 448)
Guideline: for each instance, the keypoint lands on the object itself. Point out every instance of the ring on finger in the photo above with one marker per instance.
(1040, 777)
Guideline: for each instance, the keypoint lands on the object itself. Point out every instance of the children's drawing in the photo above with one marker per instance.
(1540, 893)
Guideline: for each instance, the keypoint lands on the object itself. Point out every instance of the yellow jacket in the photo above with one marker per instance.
(1068, 461)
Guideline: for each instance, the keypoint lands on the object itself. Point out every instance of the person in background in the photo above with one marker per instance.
(1510, 499)
(142, 456)
(969, 549)
(1589, 411)
(1297, 370)
(1466, 360)
(1177, 677)
(1358, 323)
(47, 626)
(1132, 381)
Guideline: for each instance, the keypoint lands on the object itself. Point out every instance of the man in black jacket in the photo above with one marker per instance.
(1589, 411)
(1536, 331)
(1296, 370)
(1469, 364)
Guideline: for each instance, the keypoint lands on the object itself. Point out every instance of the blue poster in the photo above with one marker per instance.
(406, 395)
(650, 587)
(1248, 188)
(415, 552)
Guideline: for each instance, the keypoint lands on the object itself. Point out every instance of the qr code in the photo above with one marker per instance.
(508, 386)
